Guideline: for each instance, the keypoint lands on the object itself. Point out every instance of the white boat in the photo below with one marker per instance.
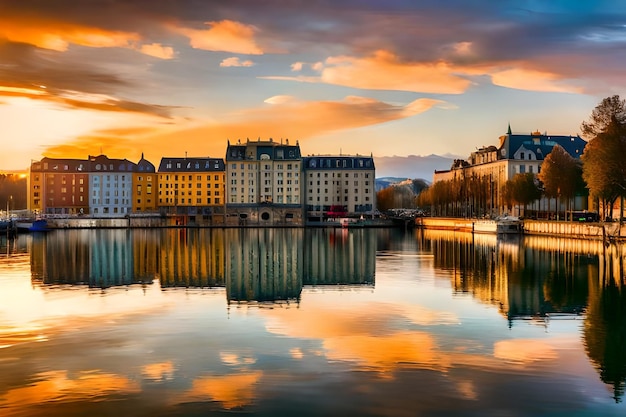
(501, 225)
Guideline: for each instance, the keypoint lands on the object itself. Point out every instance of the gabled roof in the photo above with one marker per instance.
(540, 144)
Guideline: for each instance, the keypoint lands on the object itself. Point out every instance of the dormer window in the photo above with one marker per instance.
(521, 155)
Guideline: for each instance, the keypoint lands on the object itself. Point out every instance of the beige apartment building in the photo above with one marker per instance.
(263, 183)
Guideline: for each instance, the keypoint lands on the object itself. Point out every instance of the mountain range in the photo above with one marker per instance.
(412, 166)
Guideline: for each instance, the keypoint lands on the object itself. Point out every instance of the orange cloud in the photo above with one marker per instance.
(533, 80)
(286, 118)
(58, 36)
(385, 71)
(226, 36)
(157, 50)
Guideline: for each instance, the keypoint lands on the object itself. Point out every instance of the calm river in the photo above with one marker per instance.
(293, 322)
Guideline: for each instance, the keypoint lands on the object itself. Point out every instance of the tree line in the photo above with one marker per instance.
(600, 172)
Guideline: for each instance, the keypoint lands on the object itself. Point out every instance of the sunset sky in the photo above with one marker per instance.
(388, 77)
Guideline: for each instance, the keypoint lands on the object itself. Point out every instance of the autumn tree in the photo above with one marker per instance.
(604, 166)
(522, 189)
(561, 175)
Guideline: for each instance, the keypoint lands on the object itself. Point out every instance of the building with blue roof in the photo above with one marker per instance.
(515, 154)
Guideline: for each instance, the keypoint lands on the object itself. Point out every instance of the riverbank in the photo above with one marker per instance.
(608, 231)
(156, 221)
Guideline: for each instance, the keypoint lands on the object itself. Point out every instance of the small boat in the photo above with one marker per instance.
(509, 224)
(500, 225)
(39, 225)
(7, 226)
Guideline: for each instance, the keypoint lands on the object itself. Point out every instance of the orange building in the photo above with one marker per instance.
(191, 190)
(145, 180)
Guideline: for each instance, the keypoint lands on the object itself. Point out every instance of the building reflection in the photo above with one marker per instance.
(191, 258)
(339, 257)
(97, 258)
(264, 265)
(524, 277)
(544, 278)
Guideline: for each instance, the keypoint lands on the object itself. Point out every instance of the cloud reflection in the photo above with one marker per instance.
(230, 390)
(61, 386)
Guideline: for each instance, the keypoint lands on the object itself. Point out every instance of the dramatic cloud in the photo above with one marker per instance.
(49, 35)
(283, 117)
(385, 71)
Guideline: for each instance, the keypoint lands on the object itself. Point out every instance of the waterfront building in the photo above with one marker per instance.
(145, 183)
(339, 186)
(191, 190)
(58, 186)
(263, 183)
(515, 154)
(110, 184)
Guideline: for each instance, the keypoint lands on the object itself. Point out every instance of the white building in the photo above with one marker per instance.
(110, 185)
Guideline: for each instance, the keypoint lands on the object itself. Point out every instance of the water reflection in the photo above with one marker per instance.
(264, 264)
(512, 274)
(453, 314)
(252, 264)
(546, 278)
(339, 256)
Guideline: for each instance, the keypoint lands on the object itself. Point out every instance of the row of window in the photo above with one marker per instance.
(182, 201)
(356, 183)
(338, 199)
(189, 185)
(265, 166)
(338, 174)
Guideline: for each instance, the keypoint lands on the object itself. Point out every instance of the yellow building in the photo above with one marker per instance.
(191, 190)
(145, 183)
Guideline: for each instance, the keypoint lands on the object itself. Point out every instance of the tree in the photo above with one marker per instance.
(561, 175)
(521, 189)
(604, 167)
(611, 110)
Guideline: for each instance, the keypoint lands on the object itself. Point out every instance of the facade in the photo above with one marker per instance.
(263, 183)
(339, 186)
(110, 184)
(515, 154)
(192, 190)
(59, 186)
(145, 183)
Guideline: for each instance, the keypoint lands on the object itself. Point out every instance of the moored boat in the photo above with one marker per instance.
(500, 225)
(38, 225)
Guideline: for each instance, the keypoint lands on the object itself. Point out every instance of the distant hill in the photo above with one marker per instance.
(412, 166)
(413, 186)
